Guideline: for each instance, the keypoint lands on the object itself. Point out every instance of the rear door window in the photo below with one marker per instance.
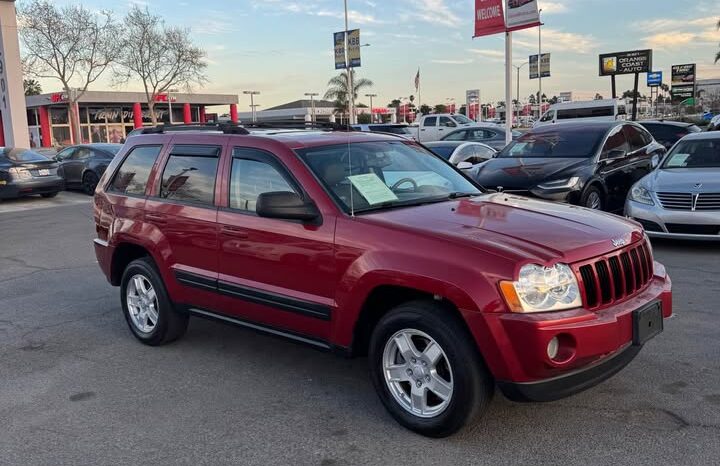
(430, 121)
(189, 174)
(134, 171)
(456, 136)
(616, 141)
(634, 137)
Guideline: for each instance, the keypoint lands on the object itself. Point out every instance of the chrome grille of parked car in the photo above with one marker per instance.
(684, 201)
(615, 277)
(676, 201)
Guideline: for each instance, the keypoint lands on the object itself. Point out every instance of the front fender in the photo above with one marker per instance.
(467, 287)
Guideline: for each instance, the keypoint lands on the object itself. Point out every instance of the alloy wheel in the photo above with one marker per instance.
(593, 201)
(142, 303)
(418, 373)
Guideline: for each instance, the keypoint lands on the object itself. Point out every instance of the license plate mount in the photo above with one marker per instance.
(647, 323)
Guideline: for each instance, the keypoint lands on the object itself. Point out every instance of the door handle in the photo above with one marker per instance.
(156, 218)
(234, 232)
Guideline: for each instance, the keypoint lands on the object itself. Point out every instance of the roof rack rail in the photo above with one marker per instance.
(297, 124)
(225, 128)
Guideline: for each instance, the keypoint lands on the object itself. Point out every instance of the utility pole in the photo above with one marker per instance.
(252, 95)
(348, 69)
(518, 89)
(508, 86)
(312, 104)
(539, 66)
(371, 107)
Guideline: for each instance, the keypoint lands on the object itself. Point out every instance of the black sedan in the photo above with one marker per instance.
(24, 173)
(668, 133)
(592, 164)
(82, 166)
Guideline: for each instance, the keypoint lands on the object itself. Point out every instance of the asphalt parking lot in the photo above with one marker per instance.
(77, 388)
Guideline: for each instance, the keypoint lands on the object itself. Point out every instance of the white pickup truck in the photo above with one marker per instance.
(434, 127)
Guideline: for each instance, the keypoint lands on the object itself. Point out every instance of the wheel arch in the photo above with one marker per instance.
(123, 254)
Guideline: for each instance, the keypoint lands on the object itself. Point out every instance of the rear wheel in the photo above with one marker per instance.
(593, 199)
(89, 183)
(147, 308)
(427, 370)
(49, 195)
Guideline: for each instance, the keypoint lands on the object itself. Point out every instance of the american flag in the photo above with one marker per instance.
(417, 80)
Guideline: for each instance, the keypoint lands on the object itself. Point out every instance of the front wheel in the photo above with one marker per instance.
(89, 183)
(148, 310)
(593, 199)
(427, 370)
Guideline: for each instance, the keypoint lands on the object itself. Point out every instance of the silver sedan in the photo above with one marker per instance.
(681, 198)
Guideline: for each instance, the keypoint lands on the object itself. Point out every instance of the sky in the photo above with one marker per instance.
(283, 48)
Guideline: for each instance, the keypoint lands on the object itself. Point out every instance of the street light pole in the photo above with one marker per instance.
(169, 98)
(371, 107)
(312, 103)
(518, 90)
(539, 66)
(252, 95)
(348, 69)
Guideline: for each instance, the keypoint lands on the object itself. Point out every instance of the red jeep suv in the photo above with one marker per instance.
(368, 244)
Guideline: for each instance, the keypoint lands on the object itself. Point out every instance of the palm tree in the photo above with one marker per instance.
(32, 87)
(338, 89)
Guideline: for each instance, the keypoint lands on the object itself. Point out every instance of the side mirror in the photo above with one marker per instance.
(286, 205)
(464, 166)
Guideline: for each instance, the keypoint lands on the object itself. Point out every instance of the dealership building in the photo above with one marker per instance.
(110, 116)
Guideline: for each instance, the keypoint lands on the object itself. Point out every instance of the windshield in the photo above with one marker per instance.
(443, 151)
(462, 119)
(699, 153)
(568, 141)
(380, 175)
(23, 155)
(399, 129)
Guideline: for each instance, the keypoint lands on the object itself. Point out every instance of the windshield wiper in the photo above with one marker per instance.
(459, 194)
(417, 202)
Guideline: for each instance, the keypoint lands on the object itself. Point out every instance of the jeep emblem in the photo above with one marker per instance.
(617, 242)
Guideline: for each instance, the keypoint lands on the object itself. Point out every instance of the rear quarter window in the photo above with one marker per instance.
(133, 173)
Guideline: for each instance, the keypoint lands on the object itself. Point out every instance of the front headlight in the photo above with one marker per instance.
(542, 289)
(641, 194)
(561, 184)
(20, 173)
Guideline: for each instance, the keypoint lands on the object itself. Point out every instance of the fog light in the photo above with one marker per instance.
(552, 348)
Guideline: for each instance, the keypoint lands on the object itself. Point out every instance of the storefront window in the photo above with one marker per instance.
(59, 115)
(115, 134)
(32, 117)
(98, 133)
(34, 134)
(61, 136)
(113, 114)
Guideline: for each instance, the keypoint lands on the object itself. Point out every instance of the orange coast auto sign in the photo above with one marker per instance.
(489, 18)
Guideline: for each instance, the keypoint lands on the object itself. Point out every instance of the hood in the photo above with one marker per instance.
(684, 180)
(526, 173)
(517, 227)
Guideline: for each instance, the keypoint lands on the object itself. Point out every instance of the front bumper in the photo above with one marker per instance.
(655, 220)
(40, 185)
(594, 345)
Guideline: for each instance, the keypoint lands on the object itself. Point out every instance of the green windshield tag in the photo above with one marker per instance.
(372, 188)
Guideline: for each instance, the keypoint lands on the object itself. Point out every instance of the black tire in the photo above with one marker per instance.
(472, 384)
(49, 195)
(170, 324)
(89, 183)
(593, 198)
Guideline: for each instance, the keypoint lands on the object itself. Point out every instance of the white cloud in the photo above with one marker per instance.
(432, 11)
(354, 16)
(463, 61)
(672, 33)
(554, 40)
(551, 7)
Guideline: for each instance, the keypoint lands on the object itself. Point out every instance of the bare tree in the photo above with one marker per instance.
(161, 56)
(71, 44)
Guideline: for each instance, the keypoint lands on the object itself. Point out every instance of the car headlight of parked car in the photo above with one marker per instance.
(640, 194)
(566, 183)
(20, 173)
(542, 289)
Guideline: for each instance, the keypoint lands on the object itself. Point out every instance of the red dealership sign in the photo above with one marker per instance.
(489, 18)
